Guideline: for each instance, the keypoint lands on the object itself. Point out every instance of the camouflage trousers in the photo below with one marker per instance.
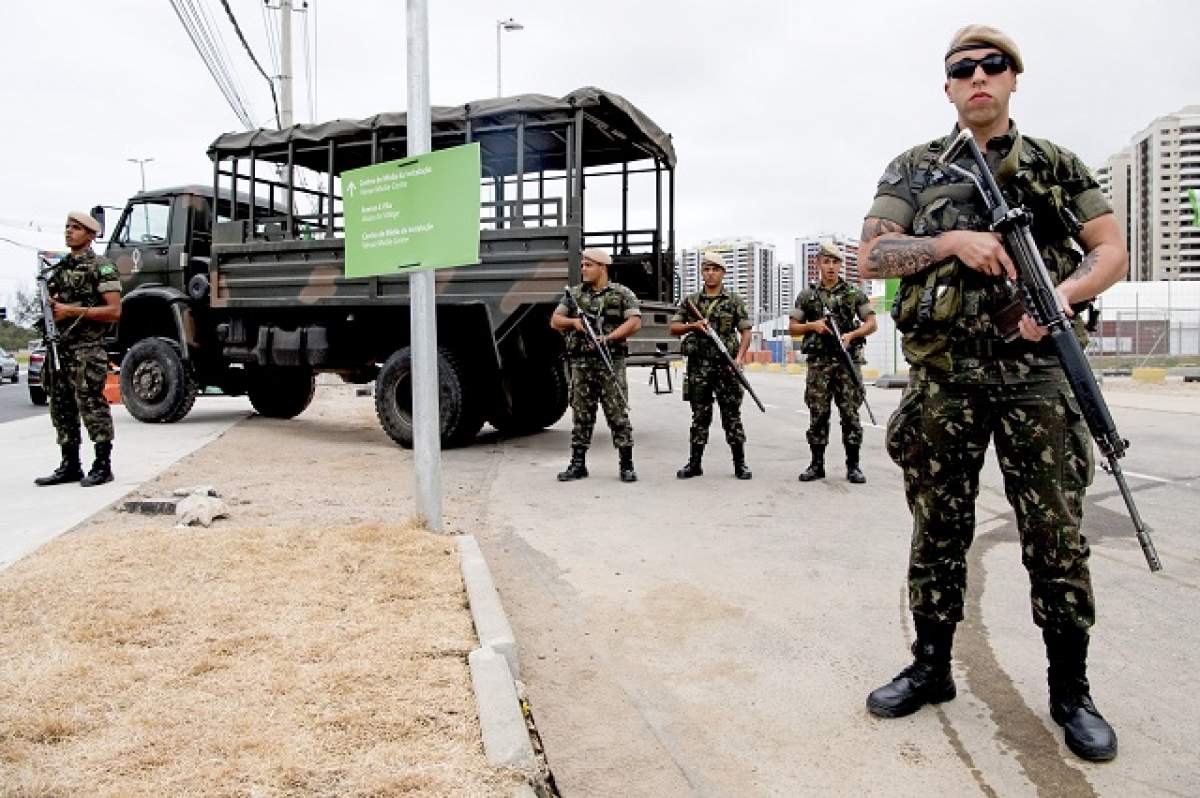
(829, 382)
(704, 382)
(591, 384)
(939, 435)
(77, 392)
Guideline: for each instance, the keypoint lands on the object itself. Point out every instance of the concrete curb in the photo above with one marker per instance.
(491, 624)
(505, 736)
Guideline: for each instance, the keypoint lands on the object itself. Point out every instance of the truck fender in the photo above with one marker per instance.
(156, 311)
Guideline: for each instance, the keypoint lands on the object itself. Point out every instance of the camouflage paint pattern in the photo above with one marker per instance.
(939, 435)
(828, 382)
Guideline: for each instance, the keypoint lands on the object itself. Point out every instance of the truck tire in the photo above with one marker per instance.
(461, 418)
(540, 395)
(37, 395)
(157, 387)
(278, 392)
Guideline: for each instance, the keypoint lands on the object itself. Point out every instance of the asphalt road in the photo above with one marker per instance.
(715, 637)
(14, 401)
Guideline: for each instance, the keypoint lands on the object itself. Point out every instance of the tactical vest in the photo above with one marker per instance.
(608, 308)
(723, 314)
(950, 309)
(843, 301)
(76, 281)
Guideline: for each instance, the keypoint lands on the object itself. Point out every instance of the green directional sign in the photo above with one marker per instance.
(415, 213)
(1195, 207)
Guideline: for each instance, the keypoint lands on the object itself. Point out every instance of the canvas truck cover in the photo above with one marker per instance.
(616, 132)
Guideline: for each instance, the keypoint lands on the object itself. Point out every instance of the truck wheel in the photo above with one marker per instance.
(461, 419)
(37, 395)
(540, 395)
(278, 392)
(157, 387)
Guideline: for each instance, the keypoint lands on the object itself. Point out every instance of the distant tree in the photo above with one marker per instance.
(14, 336)
(25, 307)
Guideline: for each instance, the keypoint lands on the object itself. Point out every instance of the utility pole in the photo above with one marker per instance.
(285, 63)
(427, 446)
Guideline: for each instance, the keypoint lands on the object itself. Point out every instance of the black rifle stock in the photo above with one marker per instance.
(1041, 301)
(590, 329)
(729, 361)
(49, 328)
(843, 356)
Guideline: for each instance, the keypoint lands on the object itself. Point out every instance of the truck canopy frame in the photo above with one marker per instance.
(526, 141)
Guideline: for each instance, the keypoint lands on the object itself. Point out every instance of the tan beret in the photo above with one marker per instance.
(975, 36)
(831, 251)
(84, 219)
(597, 256)
(712, 257)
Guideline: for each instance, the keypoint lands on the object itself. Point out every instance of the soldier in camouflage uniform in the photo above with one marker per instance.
(85, 298)
(827, 380)
(616, 309)
(708, 374)
(981, 370)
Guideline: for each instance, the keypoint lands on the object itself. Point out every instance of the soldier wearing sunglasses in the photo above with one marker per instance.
(981, 370)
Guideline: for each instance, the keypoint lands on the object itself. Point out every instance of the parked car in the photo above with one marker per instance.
(10, 369)
(33, 375)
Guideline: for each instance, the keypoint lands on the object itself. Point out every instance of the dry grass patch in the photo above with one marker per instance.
(236, 661)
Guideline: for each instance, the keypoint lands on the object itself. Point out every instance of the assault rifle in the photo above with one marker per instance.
(49, 328)
(729, 361)
(590, 328)
(843, 357)
(1042, 303)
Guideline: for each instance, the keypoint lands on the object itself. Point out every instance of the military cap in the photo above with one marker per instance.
(597, 256)
(973, 37)
(712, 257)
(84, 219)
(831, 251)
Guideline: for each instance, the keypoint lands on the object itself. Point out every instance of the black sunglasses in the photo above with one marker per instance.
(992, 64)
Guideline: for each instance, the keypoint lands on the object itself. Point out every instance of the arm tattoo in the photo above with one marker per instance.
(874, 228)
(1086, 265)
(902, 256)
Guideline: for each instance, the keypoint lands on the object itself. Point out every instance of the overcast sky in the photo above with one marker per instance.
(784, 114)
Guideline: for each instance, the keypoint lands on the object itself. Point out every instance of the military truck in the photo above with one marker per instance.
(240, 286)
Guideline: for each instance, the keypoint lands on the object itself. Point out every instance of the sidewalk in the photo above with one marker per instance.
(35, 515)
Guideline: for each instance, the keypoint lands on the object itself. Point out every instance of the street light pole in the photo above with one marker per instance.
(141, 162)
(503, 25)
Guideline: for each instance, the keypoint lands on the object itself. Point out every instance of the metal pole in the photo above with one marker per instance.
(499, 25)
(427, 451)
(285, 63)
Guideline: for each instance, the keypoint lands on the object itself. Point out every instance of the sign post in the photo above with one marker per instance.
(427, 447)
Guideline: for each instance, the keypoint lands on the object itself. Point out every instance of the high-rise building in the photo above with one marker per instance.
(785, 288)
(1114, 178)
(806, 259)
(1164, 244)
(749, 270)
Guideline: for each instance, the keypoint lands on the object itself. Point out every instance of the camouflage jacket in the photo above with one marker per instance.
(951, 315)
(612, 305)
(849, 306)
(727, 315)
(83, 281)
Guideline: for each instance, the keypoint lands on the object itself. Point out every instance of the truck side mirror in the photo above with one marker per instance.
(98, 215)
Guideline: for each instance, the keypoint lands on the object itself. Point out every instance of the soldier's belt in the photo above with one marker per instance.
(987, 348)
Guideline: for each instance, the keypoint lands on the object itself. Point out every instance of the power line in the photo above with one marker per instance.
(238, 30)
(193, 24)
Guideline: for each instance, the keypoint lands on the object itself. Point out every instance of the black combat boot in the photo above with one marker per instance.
(740, 470)
(625, 455)
(577, 468)
(853, 472)
(1088, 734)
(816, 469)
(68, 470)
(692, 467)
(101, 469)
(926, 681)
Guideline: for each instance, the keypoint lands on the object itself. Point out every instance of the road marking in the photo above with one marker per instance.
(1153, 478)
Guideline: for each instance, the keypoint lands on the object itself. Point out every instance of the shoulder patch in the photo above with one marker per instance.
(891, 176)
(107, 269)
